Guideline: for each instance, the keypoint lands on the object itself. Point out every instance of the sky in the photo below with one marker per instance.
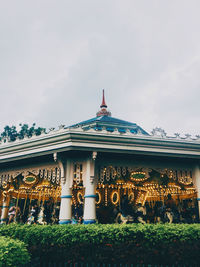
(57, 56)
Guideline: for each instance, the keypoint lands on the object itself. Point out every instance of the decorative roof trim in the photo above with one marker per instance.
(115, 142)
(157, 134)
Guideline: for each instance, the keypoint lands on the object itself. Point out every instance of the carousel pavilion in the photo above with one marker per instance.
(96, 166)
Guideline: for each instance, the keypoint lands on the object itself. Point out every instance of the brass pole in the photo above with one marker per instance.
(30, 199)
(56, 196)
(25, 204)
(43, 197)
(17, 204)
(119, 195)
(39, 197)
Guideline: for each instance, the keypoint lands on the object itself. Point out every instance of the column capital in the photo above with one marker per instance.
(59, 158)
(94, 155)
(62, 171)
(64, 165)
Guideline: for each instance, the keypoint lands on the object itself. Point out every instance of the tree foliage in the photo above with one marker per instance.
(11, 133)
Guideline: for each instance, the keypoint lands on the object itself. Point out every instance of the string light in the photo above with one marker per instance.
(99, 196)
(131, 196)
(80, 197)
(106, 197)
(149, 190)
(114, 193)
(74, 201)
(185, 180)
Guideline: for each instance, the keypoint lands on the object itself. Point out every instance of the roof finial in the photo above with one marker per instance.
(103, 111)
(103, 105)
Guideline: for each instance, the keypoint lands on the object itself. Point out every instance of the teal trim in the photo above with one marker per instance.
(198, 199)
(5, 206)
(65, 222)
(88, 196)
(89, 221)
(66, 196)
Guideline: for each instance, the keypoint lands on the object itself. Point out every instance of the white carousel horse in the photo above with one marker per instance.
(31, 217)
(169, 216)
(140, 220)
(123, 219)
(40, 219)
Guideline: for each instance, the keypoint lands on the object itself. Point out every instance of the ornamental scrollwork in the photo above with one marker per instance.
(52, 174)
(111, 174)
(159, 132)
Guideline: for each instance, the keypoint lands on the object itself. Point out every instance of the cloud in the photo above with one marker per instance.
(56, 58)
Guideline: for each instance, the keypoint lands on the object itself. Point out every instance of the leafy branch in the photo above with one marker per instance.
(11, 133)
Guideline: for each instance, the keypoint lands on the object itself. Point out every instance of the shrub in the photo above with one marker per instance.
(129, 244)
(12, 252)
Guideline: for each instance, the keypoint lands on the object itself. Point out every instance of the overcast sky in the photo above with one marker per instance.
(56, 56)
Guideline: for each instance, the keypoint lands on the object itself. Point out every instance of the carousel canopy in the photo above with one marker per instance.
(102, 133)
(103, 120)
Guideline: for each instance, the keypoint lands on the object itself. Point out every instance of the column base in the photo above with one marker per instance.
(89, 221)
(65, 222)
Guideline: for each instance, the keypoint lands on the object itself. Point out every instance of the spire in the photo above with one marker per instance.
(103, 111)
(103, 105)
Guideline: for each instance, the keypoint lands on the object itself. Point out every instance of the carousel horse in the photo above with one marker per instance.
(141, 220)
(31, 217)
(55, 216)
(140, 213)
(169, 216)
(123, 219)
(11, 214)
(41, 216)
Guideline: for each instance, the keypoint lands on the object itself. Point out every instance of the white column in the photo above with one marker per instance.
(65, 215)
(5, 207)
(196, 180)
(89, 216)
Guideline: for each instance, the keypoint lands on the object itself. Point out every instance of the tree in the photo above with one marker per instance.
(11, 133)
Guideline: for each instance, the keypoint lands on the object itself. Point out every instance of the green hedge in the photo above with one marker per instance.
(136, 244)
(12, 252)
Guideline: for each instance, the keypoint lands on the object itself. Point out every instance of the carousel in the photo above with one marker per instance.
(104, 170)
(27, 189)
(118, 190)
(123, 189)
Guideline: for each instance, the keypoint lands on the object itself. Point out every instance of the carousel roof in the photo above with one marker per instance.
(103, 120)
(102, 133)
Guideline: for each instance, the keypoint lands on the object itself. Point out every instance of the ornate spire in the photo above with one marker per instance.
(103, 111)
(103, 105)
